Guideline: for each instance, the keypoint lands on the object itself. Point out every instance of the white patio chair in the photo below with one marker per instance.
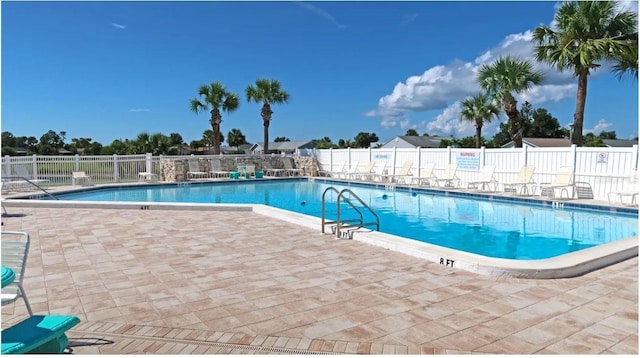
(22, 171)
(486, 178)
(194, 169)
(523, 180)
(563, 180)
(269, 170)
(449, 178)
(405, 173)
(15, 249)
(216, 169)
(288, 166)
(80, 177)
(630, 189)
(425, 175)
(377, 174)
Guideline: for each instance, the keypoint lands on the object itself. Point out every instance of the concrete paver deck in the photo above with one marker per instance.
(164, 281)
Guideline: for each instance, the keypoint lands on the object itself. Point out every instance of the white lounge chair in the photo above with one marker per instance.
(367, 170)
(425, 175)
(339, 169)
(15, 249)
(630, 189)
(524, 179)
(269, 170)
(216, 169)
(288, 166)
(563, 180)
(377, 174)
(405, 173)
(353, 170)
(80, 177)
(24, 173)
(194, 169)
(449, 177)
(486, 178)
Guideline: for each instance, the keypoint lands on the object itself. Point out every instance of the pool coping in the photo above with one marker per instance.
(562, 266)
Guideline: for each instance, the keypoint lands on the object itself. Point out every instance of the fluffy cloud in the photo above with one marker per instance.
(602, 125)
(439, 88)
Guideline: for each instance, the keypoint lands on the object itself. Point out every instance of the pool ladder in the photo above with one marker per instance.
(345, 228)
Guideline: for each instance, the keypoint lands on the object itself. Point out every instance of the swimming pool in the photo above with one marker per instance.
(484, 227)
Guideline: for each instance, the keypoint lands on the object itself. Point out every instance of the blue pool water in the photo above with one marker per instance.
(489, 228)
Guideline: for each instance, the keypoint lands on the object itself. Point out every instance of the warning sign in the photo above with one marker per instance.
(603, 158)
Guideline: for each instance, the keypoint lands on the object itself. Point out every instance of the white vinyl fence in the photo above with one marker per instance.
(604, 169)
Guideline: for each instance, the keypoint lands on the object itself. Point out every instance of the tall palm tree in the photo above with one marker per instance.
(588, 33)
(501, 79)
(215, 98)
(266, 92)
(480, 108)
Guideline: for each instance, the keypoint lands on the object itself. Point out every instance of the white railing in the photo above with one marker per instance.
(604, 169)
(103, 169)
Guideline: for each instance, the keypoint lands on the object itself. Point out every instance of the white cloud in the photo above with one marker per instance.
(322, 13)
(602, 125)
(448, 122)
(440, 86)
(139, 110)
(118, 26)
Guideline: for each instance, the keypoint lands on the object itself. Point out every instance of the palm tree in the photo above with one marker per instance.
(588, 32)
(479, 109)
(505, 76)
(266, 92)
(215, 97)
(627, 62)
(235, 138)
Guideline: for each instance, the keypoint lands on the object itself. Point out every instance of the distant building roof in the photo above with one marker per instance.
(419, 141)
(620, 142)
(290, 146)
(542, 142)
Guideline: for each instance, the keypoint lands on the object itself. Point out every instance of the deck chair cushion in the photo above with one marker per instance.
(38, 334)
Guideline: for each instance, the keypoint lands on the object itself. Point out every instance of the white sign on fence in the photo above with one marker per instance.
(603, 158)
(468, 160)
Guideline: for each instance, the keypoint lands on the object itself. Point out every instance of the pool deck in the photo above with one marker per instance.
(239, 282)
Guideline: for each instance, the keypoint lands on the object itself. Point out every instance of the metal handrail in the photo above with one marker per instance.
(339, 223)
(377, 223)
(30, 182)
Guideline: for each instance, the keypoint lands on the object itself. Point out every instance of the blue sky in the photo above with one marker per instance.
(111, 70)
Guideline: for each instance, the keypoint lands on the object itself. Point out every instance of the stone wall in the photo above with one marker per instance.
(175, 170)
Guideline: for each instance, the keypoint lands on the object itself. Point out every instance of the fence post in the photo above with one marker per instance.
(482, 158)
(418, 156)
(574, 157)
(331, 160)
(148, 160)
(34, 164)
(77, 162)
(349, 157)
(634, 158)
(449, 154)
(370, 157)
(394, 161)
(7, 164)
(116, 177)
(160, 165)
(524, 155)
